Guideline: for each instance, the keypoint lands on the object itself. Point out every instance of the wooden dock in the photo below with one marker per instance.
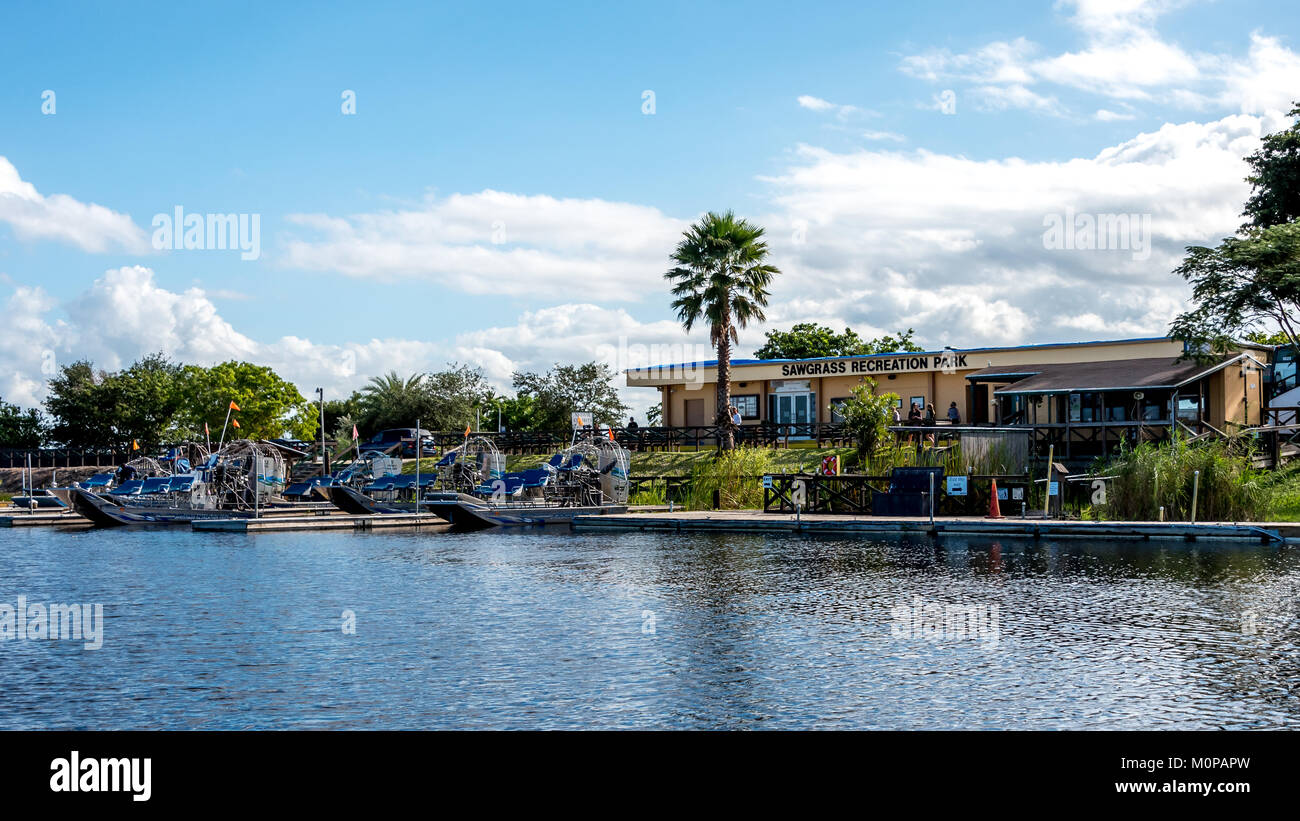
(756, 521)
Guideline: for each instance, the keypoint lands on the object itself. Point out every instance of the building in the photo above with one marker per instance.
(1084, 395)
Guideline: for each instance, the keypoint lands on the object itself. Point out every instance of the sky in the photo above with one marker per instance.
(501, 184)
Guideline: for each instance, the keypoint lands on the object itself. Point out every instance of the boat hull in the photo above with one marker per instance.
(109, 511)
(351, 500)
(468, 513)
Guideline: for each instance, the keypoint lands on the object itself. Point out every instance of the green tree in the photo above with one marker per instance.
(20, 428)
(146, 400)
(81, 401)
(269, 406)
(654, 414)
(809, 340)
(337, 410)
(1239, 286)
(453, 398)
(567, 389)
(1275, 179)
(389, 401)
(721, 277)
(868, 416)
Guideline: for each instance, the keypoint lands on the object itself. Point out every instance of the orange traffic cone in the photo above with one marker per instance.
(995, 512)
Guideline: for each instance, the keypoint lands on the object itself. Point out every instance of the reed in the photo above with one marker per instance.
(1150, 476)
(731, 474)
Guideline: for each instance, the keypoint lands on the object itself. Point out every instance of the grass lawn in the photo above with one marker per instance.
(662, 463)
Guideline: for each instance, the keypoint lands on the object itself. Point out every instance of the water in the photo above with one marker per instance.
(560, 630)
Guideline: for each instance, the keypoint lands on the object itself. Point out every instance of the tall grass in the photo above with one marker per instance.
(733, 475)
(1150, 476)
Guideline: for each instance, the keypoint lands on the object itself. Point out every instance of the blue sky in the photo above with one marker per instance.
(501, 197)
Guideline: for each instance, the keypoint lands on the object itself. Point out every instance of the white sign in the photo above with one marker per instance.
(956, 485)
(582, 419)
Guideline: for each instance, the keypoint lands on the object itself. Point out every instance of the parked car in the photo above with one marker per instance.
(385, 440)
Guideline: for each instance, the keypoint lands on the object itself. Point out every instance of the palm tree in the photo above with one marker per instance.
(721, 277)
(390, 400)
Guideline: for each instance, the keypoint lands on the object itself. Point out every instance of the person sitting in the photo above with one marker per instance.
(632, 425)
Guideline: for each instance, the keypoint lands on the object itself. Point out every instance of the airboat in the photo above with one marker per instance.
(242, 480)
(475, 492)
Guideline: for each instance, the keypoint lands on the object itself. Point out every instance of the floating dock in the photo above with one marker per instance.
(756, 521)
(45, 518)
(339, 521)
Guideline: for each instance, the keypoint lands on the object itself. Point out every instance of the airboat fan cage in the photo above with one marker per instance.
(245, 464)
(609, 461)
(147, 468)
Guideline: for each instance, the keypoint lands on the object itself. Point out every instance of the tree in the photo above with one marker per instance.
(868, 416)
(1240, 285)
(269, 406)
(453, 397)
(809, 340)
(1275, 179)
(81, 402)
(721, 276)
(337, 410)
(443, 400)
(389, 401)
(146, 400)
(20, 428)
(654, 414)
(568, 389)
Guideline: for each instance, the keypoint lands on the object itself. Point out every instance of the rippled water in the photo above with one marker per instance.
(560, 630)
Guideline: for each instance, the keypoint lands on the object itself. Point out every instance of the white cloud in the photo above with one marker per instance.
(883, 136)
(124, 314)
(91, 227)
(955, 246)
(1123, 57)
(842, 112)
(498, 243)
(1107, 116)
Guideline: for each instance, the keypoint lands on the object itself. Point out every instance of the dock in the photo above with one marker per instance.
(339, 521)
(756, 521)
(45, 518)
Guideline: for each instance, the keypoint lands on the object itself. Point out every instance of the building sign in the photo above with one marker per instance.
(837, 367)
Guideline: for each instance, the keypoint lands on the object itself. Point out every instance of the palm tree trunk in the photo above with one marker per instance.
(726, 428)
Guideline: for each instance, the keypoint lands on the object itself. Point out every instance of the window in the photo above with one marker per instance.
(747, 405)
(837, 409)
(1085, 407)
(919, 401)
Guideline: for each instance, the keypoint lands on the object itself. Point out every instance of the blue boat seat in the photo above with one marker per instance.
(181, 484)
(98, 480)
(536, 478)
(382, 483)
(575, 462)
(156, 484)
(448, 459)
(130, 488)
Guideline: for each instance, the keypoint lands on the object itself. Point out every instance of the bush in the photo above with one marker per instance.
(868, 416)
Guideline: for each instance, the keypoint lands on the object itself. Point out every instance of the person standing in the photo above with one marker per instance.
(954, 415)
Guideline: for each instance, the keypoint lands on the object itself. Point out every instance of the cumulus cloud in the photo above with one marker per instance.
(959, 248)
(125, 314)
(91, 227)
(499, 243)
(1123, 57)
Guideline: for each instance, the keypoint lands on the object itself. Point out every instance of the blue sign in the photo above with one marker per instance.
(956, 485)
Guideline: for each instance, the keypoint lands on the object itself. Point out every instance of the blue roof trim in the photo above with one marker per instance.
(709, 363)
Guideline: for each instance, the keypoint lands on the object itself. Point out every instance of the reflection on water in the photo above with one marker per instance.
(557, 630)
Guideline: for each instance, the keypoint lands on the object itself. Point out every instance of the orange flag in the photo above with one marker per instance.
(135, 444)
(611, 434)
(467, 431)
(233, 406)
(234, 422)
